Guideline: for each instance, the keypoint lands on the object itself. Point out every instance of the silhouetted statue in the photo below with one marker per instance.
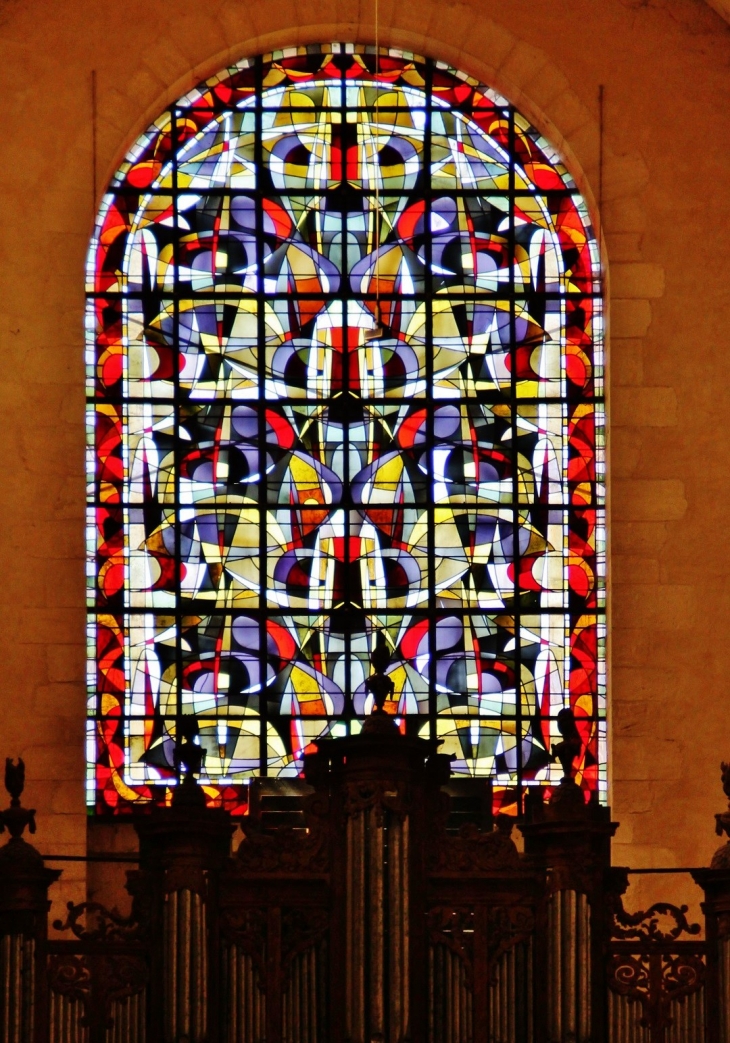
(567, 750)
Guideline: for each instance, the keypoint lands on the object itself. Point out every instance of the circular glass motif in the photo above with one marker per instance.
(345, 378)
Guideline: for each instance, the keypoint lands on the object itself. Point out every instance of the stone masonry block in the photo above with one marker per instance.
(626, 361)
(626, 444)
(636, 683)
(460, 18)
(643, 407)
(648, 499)
(624, 175)
(584, 142)
(623, 246)
(568, 113)
(638, 537)
(629, 318)
(634, 569)
(66, 663)
(57, 763)
(636, 280)
(59, 700)
(197, 34)
(68, 798)
(489, 42)
(630, 647)
(523, 64)
(165, 62)
(662, 607)
(546, 85)
(62, 833)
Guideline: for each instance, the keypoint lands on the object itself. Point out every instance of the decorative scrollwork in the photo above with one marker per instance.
(721, 858)
(723, 926)
(246, 929)
(655, 980)
(628, 974)
(97, 981)
(301, 930)
(286, 851)
(454, 928)
(651, 924)
(108, 925)
(70, 976)
(507, 926)
(381, 794)
(682, 975)
(476, 850)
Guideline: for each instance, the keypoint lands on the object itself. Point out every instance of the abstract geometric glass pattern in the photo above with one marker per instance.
(345, 389)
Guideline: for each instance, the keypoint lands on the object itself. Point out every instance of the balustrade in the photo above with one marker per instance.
(371, 901)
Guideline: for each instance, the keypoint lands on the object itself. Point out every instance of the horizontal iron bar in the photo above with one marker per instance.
(134, 859)
(667, 869)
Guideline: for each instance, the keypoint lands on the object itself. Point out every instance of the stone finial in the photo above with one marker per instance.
(721, 858)
(571, 745)
(15, 818)
(381, 688)
(190, 757)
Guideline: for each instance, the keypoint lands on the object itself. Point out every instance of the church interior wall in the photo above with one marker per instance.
(659, 199)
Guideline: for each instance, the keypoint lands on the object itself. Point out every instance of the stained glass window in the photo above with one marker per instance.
(345, 387)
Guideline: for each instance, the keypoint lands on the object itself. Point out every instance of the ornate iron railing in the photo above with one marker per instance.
(374, 914)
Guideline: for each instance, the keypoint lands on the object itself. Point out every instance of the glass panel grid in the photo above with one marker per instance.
(344, 357)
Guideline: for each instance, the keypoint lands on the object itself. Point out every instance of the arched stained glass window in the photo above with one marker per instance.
(345, 389)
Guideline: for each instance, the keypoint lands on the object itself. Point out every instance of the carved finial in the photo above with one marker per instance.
(725, 776)
(381, 687)
(15, 818)
(378, 684)
(567, 750)
(190, 756)
(14, 779)
(721, 858)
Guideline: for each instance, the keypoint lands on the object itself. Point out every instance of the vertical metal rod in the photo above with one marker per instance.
(724, 948)
(170, 942)
(4, 985)
(313, 995)
(570, 965)
(359, 915)
(431, 994)
(510, 996)
(285, 1017)
(231, 993)
(248, 997)
(30, 991)
(203, 934)
(553, 995)
(375, 890)
(93, 141)
(406, 920)
(584, 968)
(349, 925)
(601, 98)
(466, 1010)
(16, 986)
(183, 940)
(444, 977)
(395, 919)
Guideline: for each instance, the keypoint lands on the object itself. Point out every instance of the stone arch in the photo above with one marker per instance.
(514, 407)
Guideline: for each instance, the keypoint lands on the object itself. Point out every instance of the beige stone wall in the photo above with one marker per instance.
(665, 221)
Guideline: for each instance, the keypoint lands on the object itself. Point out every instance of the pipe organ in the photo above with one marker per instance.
(372, 901)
